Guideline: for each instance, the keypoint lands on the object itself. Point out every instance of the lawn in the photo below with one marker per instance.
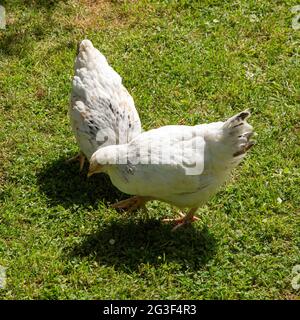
(184, 62)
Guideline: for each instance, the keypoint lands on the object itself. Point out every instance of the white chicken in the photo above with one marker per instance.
(102, 112)
(181, 165)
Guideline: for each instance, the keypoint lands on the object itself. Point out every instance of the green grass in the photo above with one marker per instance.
(184, 62)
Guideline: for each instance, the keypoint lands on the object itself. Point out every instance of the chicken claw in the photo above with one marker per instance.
(131, 204)
(183, 220)
(79, 157)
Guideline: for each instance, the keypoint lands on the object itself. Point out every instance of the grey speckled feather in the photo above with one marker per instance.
(220, 147)
(102, 112)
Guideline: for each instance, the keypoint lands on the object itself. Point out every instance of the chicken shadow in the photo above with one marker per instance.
(125, 244)
(64, 185)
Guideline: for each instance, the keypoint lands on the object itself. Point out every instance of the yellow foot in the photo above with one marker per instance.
(79, 157)
(182, 221)
(131, 204)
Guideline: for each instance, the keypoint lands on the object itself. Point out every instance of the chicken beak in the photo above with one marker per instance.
(94, 168)
(90, 173)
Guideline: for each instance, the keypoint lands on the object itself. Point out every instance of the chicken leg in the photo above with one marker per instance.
(183, 219)
(79, 157)
(132, 204)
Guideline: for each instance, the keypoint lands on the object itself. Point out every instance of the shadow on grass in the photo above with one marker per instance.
(146, 241)
(137, 240)
(20, 34)
(45, 4)
(63, 185)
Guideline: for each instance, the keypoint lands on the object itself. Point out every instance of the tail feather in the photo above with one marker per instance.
(92, 59)
(237, 120)
(83, 45)
(238, 132)
(244, 149)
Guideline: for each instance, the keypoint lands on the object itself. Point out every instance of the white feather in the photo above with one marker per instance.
(220, 147)
(102, 112)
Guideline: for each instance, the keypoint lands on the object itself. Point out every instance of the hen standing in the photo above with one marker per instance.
(102, 112)
(180, 165)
